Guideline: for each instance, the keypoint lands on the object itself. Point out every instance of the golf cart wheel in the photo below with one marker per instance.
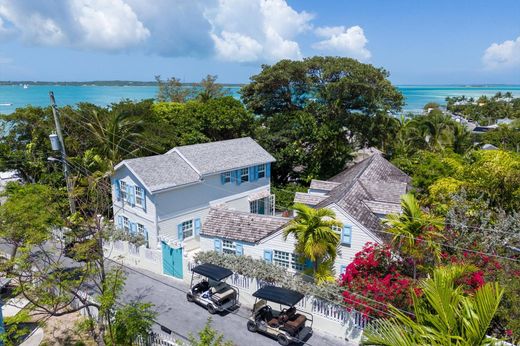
(282, 339)
(211, 309)
(251, 326)
(189, 297)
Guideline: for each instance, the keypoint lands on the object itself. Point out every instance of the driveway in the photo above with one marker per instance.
(174, 312)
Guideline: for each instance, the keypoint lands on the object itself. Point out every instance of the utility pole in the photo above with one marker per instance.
(66, 171)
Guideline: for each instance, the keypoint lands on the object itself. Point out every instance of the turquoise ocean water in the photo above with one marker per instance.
(14, 96)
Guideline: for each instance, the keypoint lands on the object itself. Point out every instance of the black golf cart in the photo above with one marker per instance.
(286, 324)
(212, 292)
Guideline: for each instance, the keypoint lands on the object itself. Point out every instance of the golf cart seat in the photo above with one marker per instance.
(201, 287)
(220, 295)
(294, 325)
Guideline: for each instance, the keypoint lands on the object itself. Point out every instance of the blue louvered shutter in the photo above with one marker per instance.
(133, 228)
(179, 232)
(268, 170)
(308, 264)
(252, 175)
(119, 221)
(146, 238)
(222, 178)
(197, 226)
(131, 196)
(268, 256)
(117, 190)
(346, 235)
(342, 269)
(218, 245)
(143, 199)
(238, 177)
(239, 249)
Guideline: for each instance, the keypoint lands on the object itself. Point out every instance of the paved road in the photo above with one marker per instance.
(175, 312)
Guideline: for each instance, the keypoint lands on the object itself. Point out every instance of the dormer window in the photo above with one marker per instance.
(226, 177)
(261, 171)
(244, 174)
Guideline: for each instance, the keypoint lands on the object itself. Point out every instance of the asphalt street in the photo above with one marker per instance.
(177, 314)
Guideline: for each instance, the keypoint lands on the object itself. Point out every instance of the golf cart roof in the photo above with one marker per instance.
(279, 295)
(212, 271)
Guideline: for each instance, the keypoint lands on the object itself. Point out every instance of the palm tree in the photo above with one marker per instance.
(316, 240)
(411, 224)
(444, 314)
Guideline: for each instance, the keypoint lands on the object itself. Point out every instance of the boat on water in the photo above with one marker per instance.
(6, 104)
(25, 86)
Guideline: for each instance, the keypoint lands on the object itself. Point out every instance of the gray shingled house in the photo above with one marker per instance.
(167, 197)
(360, 196)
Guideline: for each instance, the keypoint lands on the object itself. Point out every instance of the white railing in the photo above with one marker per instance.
(240, 281)
(329, 310)
(133, 250)
(119, 245)
(152, 255)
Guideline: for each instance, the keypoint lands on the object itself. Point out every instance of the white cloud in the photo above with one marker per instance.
(503, 55)
(86, 24)
(256, 30)
(345, 41)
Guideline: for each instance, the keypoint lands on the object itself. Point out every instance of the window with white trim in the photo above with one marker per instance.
(287, 260)
(261, 171)
(227, 177)
(126, 224)
(187, 229)
(229, 246)
(122, 190)
(139, 196)
(244, 174)
(140, 229)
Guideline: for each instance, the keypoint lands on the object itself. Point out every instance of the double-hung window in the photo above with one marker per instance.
(287, 260)
(261, 171)
(126, 224)
(122, 190)
(244, 174)
(139, 196)
(226, 177)
(187, 229)
(140, 229)
(228, 246)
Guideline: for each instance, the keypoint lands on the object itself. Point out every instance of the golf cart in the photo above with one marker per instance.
(211, 292)
(286, 324)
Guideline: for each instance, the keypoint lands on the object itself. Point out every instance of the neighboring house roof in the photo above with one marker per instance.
(308, 198)
(188, 164)
(489, 147)
(209, 158)
(373, 186)
(323, 185)
(242, 226)
(162, 171)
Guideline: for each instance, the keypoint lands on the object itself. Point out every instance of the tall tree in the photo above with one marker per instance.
(316, 240)
(444, 314)
(209, 89)
(171, 90)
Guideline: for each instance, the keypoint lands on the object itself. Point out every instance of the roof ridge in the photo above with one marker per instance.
(249, 214)
(187, 161)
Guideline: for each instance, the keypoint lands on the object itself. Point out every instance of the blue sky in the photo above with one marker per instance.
(419, 42)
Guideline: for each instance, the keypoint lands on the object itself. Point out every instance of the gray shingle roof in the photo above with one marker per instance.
(308, 198)
(323, 185)
(241, 226)
(184, 165)
(221, 156)
(162, 171)
(372, 186)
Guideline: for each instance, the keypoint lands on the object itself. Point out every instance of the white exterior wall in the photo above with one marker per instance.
(360, 236)
(144, 216)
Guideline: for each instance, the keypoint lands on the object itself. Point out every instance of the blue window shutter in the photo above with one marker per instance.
(218, 245)
(143, 198)
(131, 196)
(239, 249)
(146, 238)
(346, 235)
(197, 226)
(268, 256)
(222, 178)
(308, 263)
(342, 269)
(268, 170)
(252, 173)
(133, 228)
(179, 231)
(117, 190)
(119, 221)
(238, 177)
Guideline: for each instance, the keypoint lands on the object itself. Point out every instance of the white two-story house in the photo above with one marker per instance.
(359, 196)
(167, 197)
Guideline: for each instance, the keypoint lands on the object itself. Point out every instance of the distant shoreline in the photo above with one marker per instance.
(101, 83)
(154, 83)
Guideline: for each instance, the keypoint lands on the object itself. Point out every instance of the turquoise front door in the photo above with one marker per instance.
(172, 261)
